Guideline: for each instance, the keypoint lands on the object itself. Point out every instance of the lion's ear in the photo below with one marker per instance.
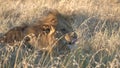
(51, 19)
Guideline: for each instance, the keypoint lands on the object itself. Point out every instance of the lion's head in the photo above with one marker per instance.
(55, 32)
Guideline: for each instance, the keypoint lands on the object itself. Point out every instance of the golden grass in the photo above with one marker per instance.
(97, 23)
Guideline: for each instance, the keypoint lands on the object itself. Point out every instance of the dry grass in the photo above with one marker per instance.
(97, 23)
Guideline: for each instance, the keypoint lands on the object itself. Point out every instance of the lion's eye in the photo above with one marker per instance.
(63, 29)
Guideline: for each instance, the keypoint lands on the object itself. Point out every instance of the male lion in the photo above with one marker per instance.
(51, 32)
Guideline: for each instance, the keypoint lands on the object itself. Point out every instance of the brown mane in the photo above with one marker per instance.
(43, 34)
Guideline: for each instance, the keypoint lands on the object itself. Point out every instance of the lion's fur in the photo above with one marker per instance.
(44, 34)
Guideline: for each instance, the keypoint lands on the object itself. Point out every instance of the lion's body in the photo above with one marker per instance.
(15, 34)
(45, 34)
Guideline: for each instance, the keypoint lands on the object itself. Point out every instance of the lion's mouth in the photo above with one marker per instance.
(73, 41)
(72, 45)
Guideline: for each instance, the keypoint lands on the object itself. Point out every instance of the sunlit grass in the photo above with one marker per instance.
(95, 21)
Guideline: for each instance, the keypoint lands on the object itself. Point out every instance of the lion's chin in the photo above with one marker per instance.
(74, 41)
(72, 47)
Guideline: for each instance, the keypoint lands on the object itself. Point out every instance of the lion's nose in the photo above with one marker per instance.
(74, 35)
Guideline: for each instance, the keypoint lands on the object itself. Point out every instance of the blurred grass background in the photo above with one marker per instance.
(97, 23)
